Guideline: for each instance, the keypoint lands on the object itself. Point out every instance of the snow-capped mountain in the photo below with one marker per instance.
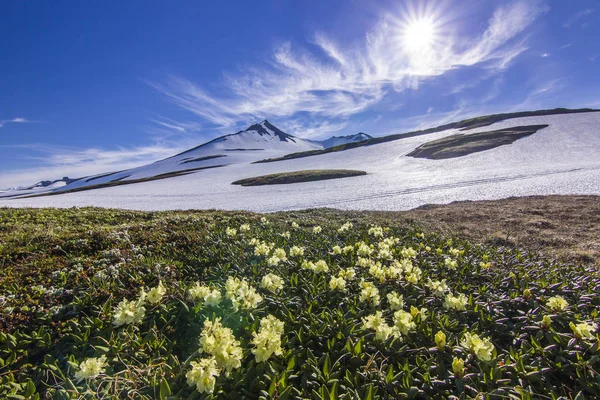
(259, 141)
(561, 158)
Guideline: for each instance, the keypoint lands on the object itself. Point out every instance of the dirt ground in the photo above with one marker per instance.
(562, 227)
(566, 228)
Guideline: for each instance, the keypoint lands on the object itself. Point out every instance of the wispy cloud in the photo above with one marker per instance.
(578, 16)
(3, 122)
(337, 82)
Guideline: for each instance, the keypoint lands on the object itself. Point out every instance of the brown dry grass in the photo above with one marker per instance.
(566, 228)
(563, 227)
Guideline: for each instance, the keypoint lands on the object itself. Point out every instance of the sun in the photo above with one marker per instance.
(419, 34)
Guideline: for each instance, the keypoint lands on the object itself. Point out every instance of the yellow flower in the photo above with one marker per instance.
(129, 312)
(458, 367)
(268, 339)
(373, 321)
(155, 294)
(337, 283)
(308, 265)
(317, 229)
(456, 302)
(450, 263)
(404, 321)
(230, 231)
(336, 250)
(583, 330)
(295, 225)
(202, 293)
(296, 251)
(546, 321)
(203, 375)
(377, 323)
(557, 303)
(369, 293)
(264, 221)
(220, 342)
(481, 348)
(396, 301)
(376, 231)
(91, 368)
(384, 332)
(280, 253)
(408, 252)
(286, 235)
(345, 227)
(363, 249)
(271, 282)
(454, 252)
(347, 249)
(321, 266)
(527, 293)
(377, 272)
(241, 293)
(244, 228)
(262, 249)
(439, 288)
(440, 340)
(348, 274)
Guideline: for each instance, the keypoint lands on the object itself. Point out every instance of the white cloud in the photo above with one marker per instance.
(13, 121)
(337, 82)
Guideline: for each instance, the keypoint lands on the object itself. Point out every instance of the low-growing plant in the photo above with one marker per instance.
(121, 304)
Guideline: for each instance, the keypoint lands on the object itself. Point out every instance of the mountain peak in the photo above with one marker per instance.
(266, 128)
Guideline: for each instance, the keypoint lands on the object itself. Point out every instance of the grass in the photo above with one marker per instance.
(461, 145)
(463, 125)
(63, 273)
(309, 175)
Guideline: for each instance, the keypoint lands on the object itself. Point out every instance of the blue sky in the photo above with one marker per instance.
(89, 87)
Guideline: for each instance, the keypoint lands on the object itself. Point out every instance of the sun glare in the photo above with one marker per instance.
(419, 34)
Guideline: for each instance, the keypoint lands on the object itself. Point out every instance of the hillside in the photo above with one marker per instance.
(310, 304)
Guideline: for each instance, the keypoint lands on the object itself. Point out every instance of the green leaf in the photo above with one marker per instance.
(165, 389)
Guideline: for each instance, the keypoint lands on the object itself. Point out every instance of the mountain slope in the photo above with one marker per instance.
(263, 140)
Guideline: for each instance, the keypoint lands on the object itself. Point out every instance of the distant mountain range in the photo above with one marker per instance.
(265, 143)
(259, 141)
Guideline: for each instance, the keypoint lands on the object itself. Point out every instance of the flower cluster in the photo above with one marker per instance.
(377, 323)
(130, 311)
(268, 339)
(241, 294)
(337, 283)
(583, 330)
(272, 283)
(347, 226)
(557, 303)
(458, 302)
(219, 342)
(369, 293)
(481, 348)
(91, 368)
(204, 294)
(203, 375)
(404, 321)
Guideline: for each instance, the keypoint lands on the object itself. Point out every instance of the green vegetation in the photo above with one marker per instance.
(308, 175)
(461, 145)
(367, 311)
(463, 125)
